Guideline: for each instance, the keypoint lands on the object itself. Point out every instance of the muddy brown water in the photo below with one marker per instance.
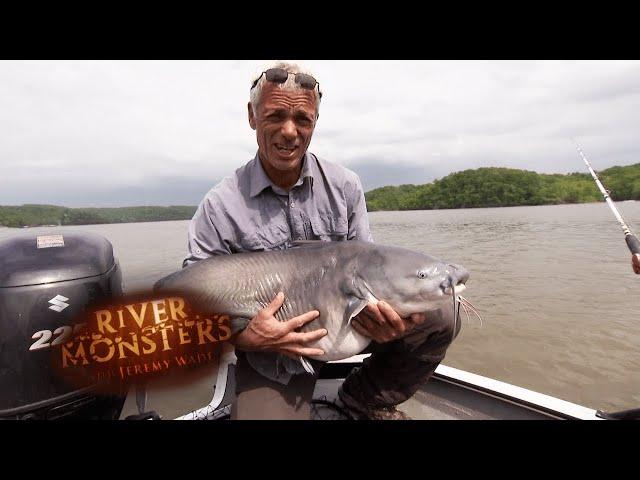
(560, 303)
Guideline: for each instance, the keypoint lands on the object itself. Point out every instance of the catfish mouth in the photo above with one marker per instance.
(452, 287)
(446, 291)
(455, 282)
(458, 289)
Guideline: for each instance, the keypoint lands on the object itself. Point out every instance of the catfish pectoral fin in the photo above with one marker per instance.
(354, 306)
(307, 366)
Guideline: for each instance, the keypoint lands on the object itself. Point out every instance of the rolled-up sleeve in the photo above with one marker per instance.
(358, 217)
(204, 238)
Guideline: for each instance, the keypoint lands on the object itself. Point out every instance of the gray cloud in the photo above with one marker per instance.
(118, 132)
(162, 191)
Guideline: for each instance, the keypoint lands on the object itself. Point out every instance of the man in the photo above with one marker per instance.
(287, 194)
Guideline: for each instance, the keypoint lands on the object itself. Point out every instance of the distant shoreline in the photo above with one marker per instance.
(26, 216)
(487, 187)
(374, 211)
(90, 224)
(492, 187)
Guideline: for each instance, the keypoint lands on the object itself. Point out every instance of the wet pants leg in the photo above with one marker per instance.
(397, 369)
(259, 398)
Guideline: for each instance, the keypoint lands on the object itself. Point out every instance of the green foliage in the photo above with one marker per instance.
(31, 215)
(623, 182)
(83, 216)
(482, 187)
(36, 215)
(505, 187)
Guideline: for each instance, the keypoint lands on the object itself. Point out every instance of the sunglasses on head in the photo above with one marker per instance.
(280, 75)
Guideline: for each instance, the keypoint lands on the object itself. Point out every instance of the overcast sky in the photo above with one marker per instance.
(115, 133)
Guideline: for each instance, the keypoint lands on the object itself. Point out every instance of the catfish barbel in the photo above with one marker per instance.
(336, 278)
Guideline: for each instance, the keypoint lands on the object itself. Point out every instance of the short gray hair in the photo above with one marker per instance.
(290, 84)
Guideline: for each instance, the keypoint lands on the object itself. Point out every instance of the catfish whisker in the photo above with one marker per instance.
(473, 309)
(456, 313)
(465, 311)
(468, 304)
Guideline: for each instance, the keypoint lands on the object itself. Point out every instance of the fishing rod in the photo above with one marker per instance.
(629, 237)
(634, 247)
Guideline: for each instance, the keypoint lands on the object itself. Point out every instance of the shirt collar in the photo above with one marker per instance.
(259, 179)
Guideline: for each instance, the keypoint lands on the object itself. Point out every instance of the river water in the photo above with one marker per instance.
(554, 284)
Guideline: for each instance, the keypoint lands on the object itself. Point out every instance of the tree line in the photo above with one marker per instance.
(37, 215)
(506, 187)
(481, 187)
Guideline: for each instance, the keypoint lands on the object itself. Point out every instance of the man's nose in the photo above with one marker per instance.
(289, 129)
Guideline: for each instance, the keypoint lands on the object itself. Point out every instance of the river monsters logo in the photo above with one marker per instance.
(137, 337)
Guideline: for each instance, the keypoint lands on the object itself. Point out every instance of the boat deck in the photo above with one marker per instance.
(450, 394)
(453, 394)
(438, 400)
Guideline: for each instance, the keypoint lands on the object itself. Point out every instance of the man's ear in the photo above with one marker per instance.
(252, 118)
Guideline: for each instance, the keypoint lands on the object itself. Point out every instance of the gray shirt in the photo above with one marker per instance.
(247, 212)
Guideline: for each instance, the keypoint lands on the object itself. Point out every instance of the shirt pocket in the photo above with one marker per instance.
(329, 228)
(274, 237)
(248, 242)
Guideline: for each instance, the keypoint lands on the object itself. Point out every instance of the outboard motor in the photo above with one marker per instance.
(46, 283)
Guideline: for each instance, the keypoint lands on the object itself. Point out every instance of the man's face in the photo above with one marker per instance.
(284, 126)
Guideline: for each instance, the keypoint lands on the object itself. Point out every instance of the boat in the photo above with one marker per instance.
(451, 394)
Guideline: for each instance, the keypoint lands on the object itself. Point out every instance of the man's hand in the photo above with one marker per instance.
(382, 323)
(265, 333)
(635, 262)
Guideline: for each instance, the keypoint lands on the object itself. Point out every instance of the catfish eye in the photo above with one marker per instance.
(422, 274)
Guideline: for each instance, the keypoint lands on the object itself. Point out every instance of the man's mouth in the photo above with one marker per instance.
(285, 150)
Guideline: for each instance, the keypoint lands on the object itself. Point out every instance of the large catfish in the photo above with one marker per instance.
(336, 278)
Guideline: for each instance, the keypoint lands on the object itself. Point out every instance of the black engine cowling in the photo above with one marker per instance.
(46, 283)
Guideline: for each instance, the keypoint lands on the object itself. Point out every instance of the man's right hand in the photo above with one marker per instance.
(635, 262)
(266, 333)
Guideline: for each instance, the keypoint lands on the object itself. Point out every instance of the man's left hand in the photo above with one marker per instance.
(382, 324)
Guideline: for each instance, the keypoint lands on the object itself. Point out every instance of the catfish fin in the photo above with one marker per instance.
(354, 306)
(307, 366)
